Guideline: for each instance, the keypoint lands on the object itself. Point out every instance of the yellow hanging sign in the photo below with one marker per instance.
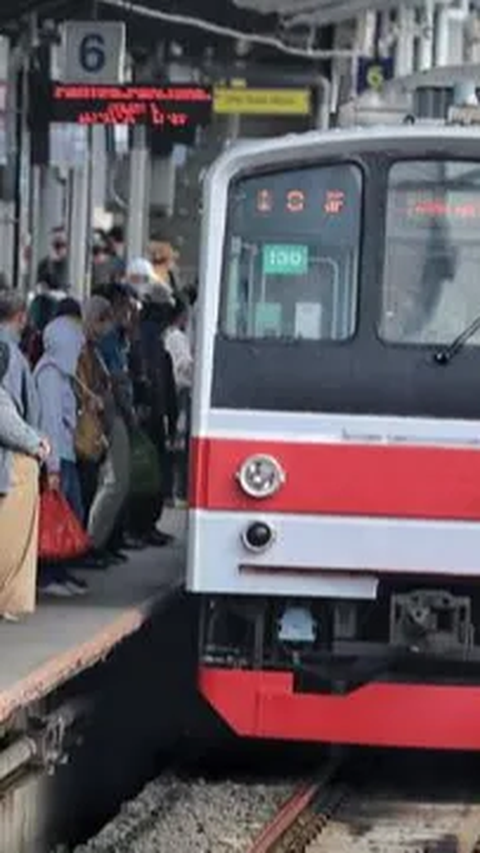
(266, 102)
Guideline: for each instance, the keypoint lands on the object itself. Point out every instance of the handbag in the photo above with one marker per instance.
(61, 536)
(145, 473)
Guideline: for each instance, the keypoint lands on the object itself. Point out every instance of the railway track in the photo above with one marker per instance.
(336, 814)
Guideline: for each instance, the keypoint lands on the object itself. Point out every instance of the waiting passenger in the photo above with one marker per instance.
(101, 262)
(177, 343)
(156, 397)
(41, 312)
(116, 241)
(97, 404)
(18, 379)
(54, 377)
(104, 524)
(21, 450)
(165, 264)
(52, 273)
(141, 276)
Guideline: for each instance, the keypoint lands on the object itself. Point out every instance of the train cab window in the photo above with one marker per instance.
(431, 283)
(292, 255)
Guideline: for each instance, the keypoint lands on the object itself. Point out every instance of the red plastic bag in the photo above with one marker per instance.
(61, 536)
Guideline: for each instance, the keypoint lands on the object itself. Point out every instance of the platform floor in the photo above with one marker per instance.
(65, 637)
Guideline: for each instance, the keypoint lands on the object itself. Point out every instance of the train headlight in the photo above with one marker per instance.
(261, 476)
(258, 537)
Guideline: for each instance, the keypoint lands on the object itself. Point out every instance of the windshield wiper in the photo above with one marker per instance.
(445, 355)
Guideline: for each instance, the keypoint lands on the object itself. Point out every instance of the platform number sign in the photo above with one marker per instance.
(373, 73)
(94, 52)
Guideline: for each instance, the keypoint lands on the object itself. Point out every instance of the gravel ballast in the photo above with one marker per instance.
(176, 816)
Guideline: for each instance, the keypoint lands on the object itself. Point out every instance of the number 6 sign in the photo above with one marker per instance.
(94, 52)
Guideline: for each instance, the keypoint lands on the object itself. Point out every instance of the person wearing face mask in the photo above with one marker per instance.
(52, 271)
(141, 276)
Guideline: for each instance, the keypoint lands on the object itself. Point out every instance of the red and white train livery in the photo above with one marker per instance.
(334, 531)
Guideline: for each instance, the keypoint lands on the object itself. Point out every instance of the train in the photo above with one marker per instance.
(334, 519)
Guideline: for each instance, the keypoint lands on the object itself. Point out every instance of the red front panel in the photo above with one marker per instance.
(263, 705)
(339, 479)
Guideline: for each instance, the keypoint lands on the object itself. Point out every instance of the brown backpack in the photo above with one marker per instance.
(91, 443)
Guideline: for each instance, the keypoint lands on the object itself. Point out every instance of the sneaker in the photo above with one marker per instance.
(76, 586)
(55, 589)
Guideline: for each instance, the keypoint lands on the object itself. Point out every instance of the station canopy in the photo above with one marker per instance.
(223, 12)
(319, 12)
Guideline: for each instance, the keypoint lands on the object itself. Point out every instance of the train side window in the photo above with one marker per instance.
(430, 289)
(292, 255)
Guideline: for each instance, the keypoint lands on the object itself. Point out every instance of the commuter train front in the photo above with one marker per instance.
(335, 495)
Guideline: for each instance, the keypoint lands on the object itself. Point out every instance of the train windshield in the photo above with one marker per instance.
(291, 265)
(431, 282)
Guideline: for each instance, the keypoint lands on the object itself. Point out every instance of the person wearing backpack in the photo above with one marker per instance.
(97, 409)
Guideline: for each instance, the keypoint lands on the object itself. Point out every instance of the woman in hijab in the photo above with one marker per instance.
(21, 451)
(54, 375)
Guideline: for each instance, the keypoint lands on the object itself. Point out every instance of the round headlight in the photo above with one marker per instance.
(261, 476)
(258, 537)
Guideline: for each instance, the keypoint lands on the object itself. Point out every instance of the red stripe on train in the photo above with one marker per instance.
(336, 479)
(265, 705)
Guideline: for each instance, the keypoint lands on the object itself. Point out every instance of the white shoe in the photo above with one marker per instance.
(56, 590)
(10, 617)
(75, 589)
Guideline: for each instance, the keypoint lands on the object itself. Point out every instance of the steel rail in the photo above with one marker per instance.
(299, 809)
(328, 815)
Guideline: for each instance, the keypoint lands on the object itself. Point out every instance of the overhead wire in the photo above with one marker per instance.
(226, 32)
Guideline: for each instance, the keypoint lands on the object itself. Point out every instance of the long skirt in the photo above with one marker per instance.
(19, 514)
